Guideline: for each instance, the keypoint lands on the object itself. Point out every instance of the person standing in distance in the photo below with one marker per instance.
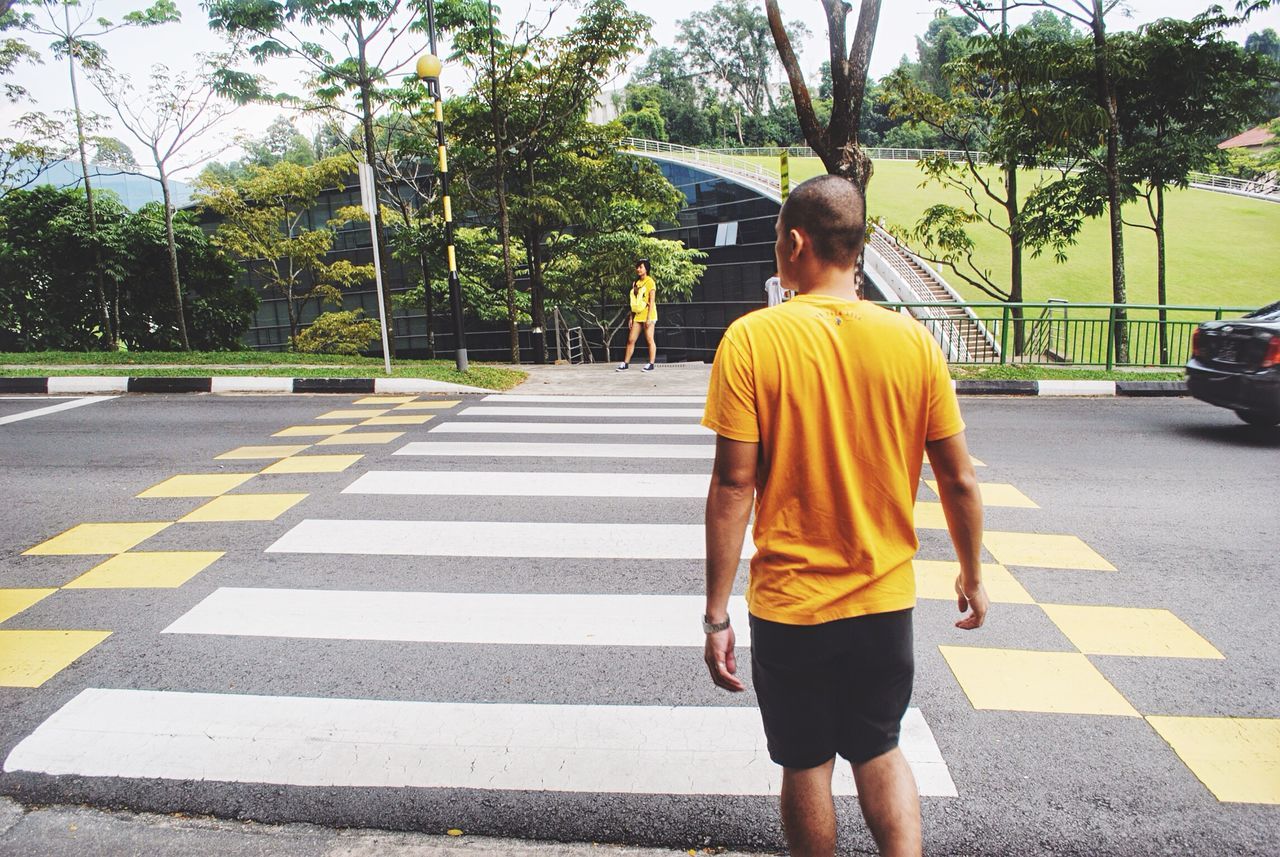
(824, 408)
(644, 315)
(774, 294)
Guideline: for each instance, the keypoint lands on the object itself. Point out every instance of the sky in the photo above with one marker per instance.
(134, 51)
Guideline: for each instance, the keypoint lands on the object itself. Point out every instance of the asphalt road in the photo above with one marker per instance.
(1176, 495)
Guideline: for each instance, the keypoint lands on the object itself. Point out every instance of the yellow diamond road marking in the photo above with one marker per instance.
(399, 420)
(384, 400)
(204, 485)
(928, 516)
(352, 414)
(1048, 682)
(146, 570)
(91, 539)
(314, 431)
(1129, 631)
(1044, 551)
(1237, 758)
(313, 464)
(361, 437)
(997, 494)
(251, 453)
(244, 507)
(14, 601)
(936, 580)
(427, 405)
(30, 658)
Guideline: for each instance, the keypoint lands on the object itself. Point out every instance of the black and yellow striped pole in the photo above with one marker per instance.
(429, 70)
(784, 174)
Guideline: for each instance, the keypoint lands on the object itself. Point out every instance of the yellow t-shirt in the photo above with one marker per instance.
(841, 396)
(640, 292)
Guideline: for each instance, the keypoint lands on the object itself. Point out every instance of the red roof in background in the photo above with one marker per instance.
(1259, 136)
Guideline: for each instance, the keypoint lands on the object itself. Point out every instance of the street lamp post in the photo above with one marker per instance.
(429, 70)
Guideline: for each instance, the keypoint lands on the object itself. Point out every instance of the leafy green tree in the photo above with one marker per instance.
(1267, 44)
(339, 333)
(362, 48)
(267, 223)
(531, 90)
(945, 41)
(39, 142)
(75, 26)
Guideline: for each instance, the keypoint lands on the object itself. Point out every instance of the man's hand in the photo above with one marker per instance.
(975, 601)
(720, 659)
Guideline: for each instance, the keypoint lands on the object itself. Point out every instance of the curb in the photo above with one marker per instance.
(1062, 387)
(85, 384)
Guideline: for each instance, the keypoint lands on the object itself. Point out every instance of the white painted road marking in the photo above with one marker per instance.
(559, 450)
(595, 400)
(623, 540)
(634, 429)
(366, 743)
(53, 409)
(499, 484)
(615, 413)
(456, 617)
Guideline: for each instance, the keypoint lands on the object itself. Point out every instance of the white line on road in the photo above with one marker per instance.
(623, 540)
(559, 450)
(624, 413)
(456, 617)
(366, 743)
(636, 429)
(595, 400)
(53, 409)
(507, 484)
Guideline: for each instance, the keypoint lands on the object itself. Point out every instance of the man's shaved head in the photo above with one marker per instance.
(833, 214)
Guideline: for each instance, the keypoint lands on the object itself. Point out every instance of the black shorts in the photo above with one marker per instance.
(839, 687)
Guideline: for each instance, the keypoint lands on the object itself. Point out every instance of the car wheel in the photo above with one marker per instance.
(1258, 418)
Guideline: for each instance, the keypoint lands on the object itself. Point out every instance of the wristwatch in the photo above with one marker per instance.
(709, 627)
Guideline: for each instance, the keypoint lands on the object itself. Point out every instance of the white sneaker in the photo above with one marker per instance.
(648, 367)
(622, 367)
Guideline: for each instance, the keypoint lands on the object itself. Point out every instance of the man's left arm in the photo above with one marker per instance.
(729, 501)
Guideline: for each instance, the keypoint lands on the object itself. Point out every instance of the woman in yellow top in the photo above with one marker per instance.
(644, 314)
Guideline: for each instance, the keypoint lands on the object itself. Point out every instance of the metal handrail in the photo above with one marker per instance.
(729, 164)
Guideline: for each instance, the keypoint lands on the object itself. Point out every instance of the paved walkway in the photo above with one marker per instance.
(601, 379)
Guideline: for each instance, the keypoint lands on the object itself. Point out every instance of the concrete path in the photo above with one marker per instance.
(601, 379)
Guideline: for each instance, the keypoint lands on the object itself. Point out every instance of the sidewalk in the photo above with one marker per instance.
(64, 831)
(602, 379)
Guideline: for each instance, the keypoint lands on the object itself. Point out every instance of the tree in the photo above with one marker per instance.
(39, 143)
(527, 90)
(176, 112)
(835, 142)
(731, 42)
(1189, 88)
(362, 46)
(1267, 44)
(74, 41)
(113, 152)
(945, 41)
(266, 221)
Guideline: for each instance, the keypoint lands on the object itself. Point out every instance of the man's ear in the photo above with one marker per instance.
(799, 241)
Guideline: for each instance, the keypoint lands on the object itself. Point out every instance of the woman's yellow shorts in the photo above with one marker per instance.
(646, 316)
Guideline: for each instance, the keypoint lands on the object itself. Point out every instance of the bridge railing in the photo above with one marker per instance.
(734, 164)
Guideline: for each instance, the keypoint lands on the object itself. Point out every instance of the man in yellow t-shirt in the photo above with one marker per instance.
(824, 408)
(644, 315)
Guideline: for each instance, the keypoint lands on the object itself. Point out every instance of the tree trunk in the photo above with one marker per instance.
(1107, 98)
(1162, 294)
(429, 299)
(109, 332)
(1015, 260)
(537, 298)
(370, 156)
(174, 276)
(504, 235)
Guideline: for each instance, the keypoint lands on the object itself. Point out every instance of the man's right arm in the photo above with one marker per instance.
(962, 506)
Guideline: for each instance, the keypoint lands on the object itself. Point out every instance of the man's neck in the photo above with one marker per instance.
(830, 283)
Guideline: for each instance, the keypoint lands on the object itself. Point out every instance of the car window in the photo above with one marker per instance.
(1270, 312)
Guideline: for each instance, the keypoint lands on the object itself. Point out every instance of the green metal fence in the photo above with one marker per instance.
(1066, 334)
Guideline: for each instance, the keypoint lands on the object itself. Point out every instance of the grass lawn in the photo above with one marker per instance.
(1223, 250)
(201, 364)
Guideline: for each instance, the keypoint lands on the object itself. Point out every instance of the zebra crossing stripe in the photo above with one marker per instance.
(367, 743)
(446, 449)
(456, 617)
(632, 429)
(625, 413)
(499, 484)
(531, 399)
(623, 540)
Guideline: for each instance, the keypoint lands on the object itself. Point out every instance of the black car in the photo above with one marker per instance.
(1236, 364)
